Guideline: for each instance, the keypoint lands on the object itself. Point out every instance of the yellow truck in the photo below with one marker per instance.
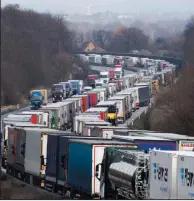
(155, 83)
(38, 97)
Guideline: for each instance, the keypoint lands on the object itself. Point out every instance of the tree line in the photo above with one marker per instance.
(36, 51)
(173, 110)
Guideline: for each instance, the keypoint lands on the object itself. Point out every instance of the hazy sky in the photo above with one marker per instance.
(137, 6)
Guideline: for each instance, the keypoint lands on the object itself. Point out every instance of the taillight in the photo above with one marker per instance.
(137, 104)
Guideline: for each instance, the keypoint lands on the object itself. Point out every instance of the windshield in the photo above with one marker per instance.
(104, 76)
(117, 72)
(99, 85)
(38, 98)
(57, 88)
(74, 85)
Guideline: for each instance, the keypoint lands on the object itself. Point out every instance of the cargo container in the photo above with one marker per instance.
(56, 169)
(113, 89)
(162, 175)
(133, 92)
(103, 112)
(78, 102)
(26, 155)
(87, 154)
(105, 132)
(32, 118)
(86, 123)
(94, 97)
(85, 101)
(102, 92)
(143, 96)
(148, 143)
(129, 101)
(185, 176)
(61, 118)
(42, 117)
(75, 104)
(76, 123)
(145, 84)
(122, 107)
(184, 142)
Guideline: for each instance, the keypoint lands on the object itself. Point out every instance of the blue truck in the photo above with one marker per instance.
(56, 169)
(75, 87)
(83, 158)
(36, 100)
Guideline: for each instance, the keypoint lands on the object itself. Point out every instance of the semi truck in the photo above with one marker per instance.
(38, 98)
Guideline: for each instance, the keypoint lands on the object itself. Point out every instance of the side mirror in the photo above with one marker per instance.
(42, 160)
(63, 162)
(5, 143)
(97, 175)
(117, 110)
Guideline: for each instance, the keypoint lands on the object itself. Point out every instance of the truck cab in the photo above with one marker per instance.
(98, 83)
(104, 76)
(75, 87)
(112, 110)
(119, 72)
(36, 99)
(67, 86)
(91, 80)
(58, 92)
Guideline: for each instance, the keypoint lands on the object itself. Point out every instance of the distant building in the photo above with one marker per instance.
(90, 46)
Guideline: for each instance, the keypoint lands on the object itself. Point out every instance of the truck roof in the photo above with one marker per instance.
(121, 97)
(97, 109)
(129, 137)
(99, 142)
(87, 122)
(170, 136)
(106, 103)
(23, 124)
(123, 93)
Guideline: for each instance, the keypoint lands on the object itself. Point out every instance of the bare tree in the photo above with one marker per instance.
(102, 37)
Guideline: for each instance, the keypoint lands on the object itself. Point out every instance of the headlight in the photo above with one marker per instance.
(60, 96)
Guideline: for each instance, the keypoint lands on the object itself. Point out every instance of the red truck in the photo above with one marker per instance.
(112, 74)
(91, 80)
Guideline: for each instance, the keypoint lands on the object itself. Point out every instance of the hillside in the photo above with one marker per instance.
(36, 52)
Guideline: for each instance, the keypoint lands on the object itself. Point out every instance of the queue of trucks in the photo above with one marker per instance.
(76, 147)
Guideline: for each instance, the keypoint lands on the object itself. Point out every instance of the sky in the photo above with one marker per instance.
(120, 6)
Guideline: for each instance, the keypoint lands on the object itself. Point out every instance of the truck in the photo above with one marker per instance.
(76, 119)
(62, 115)
(87, 155)
(184, 142)
(26, 156)
(185, 178)
(56, 168)
(164, 175)
(58, 92)
(38, 98)
(145, 84)
(129, 101)
(85, 101)
(148, 143)
(68, 89)
(105, 132)
(112, 110)
(102, 92)
(134, 97)
(91, 80)
(101, 110)
(98, 83)
(104, 76)
(122, 107)
(119, 71)
(94, 98)
(112, 74)
(75, 87)
(123, 173)
(143, 96)
(87, 88)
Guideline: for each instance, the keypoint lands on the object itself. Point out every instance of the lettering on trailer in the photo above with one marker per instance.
(186, 177)
(160, 173)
